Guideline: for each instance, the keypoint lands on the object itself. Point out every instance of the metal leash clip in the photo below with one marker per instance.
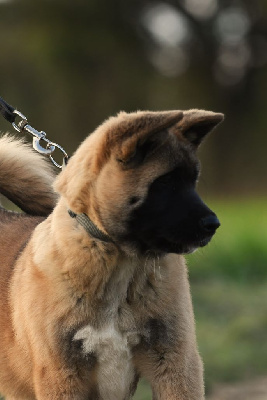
(37, 137)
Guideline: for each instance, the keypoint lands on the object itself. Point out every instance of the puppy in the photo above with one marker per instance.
(94, 287)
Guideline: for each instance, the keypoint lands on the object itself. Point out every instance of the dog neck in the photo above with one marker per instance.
(65, 251)
(83, 265)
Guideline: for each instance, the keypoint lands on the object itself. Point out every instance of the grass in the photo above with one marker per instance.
(238, 251)
(231, 324)
(229, 289)
(143, 391)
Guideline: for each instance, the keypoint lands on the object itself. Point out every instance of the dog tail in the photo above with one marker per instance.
(26, 177)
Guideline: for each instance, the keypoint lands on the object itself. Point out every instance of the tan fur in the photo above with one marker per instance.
(80, 318)
(26, 177)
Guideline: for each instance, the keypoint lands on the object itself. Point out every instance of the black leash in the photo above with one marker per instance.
(7, 111)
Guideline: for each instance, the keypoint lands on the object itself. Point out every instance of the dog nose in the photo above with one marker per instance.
(209, 223)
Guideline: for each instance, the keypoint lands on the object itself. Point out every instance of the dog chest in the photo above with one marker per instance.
(112, 350)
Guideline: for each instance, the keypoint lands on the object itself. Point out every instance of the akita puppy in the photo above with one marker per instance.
(93, 284)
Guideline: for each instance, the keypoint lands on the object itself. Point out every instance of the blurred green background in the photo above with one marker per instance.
(68, 65)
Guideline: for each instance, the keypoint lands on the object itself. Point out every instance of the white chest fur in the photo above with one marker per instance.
(115, 368)
(112, 343)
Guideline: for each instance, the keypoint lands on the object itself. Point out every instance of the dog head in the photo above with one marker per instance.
(136, 175)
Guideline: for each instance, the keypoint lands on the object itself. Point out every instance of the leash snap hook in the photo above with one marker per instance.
(38, 147)
(36, 138)
(36, 135)
(21, 125)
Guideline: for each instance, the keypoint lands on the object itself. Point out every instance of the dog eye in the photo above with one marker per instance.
(167, 182)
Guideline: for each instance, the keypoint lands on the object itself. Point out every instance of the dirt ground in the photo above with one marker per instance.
(251, 390)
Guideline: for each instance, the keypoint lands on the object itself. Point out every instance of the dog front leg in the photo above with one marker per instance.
(174, 373)
(62, 384)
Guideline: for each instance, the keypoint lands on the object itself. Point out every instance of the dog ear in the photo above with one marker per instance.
(148, 130)
(196, 124)
(133, 151)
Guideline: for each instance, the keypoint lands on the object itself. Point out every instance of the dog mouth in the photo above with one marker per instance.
(162, 243)
(170, 245)
(202, 243)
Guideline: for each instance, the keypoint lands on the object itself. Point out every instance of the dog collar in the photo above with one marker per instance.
(89, 226)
